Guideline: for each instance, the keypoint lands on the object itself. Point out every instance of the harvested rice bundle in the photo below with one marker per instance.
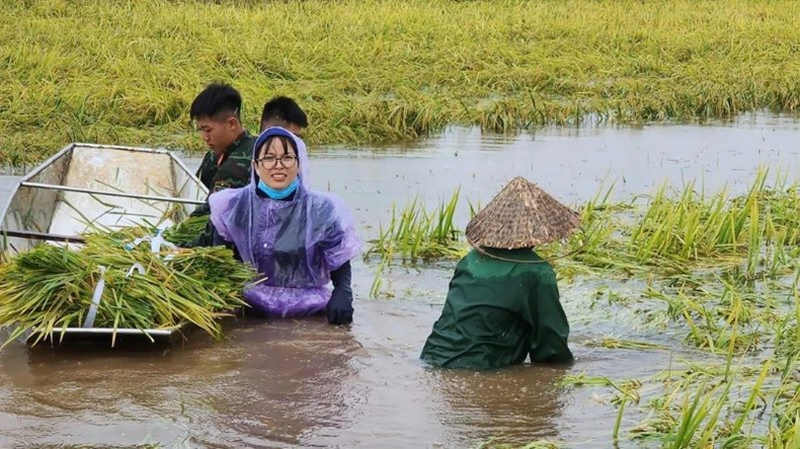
(51, 287)
(187, 230)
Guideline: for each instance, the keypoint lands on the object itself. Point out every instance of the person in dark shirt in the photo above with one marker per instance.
(503, 302)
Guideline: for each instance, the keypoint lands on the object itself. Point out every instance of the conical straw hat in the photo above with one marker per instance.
(521, 216)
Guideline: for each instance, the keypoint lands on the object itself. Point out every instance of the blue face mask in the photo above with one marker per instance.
(279, 194)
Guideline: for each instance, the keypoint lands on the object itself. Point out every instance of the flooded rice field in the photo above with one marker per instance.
(303, 383)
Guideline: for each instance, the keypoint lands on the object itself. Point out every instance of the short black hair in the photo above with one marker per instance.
(283, 109)
(216, 99)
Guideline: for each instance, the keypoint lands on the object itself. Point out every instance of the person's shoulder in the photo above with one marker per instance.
(324, 205)
(322, 200)
(471, 258)
(249, 139)
(234, 172)
(543, 272)
(246, 144)
(241, 152)
(472, 254)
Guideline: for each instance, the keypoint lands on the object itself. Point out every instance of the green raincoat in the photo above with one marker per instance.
(498, 313)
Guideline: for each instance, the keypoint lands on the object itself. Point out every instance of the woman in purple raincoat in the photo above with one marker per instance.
(301, 240)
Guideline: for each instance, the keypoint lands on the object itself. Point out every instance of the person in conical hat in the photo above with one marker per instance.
(503, 303)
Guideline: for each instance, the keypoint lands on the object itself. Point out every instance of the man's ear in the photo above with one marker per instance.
(232, 122)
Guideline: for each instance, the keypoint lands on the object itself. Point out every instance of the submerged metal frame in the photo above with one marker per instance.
(102, 334)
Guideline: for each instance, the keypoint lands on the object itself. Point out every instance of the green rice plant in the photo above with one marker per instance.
(418, 234)
(582, 379)
(595, 247)
(473, 209)
(695, 418)
(786, 330)
(614, 343)
(723, 406)
(716, 318)
(628, 392)
(691, 227)
(689, 423)
(777, 259)
(784, 439)
(377, 281)
(187, 230)
(753, 233)
(751, 400)
(671, 236)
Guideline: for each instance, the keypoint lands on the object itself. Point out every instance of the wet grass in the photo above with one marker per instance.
(714, 406)
(126, 72)
(616, 343)
(731, 292)
(700, 406)
(682, 237)
(417, 234)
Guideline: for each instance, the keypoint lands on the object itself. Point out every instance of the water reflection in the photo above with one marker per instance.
(291, 381)
(519, 404)
(268, 383)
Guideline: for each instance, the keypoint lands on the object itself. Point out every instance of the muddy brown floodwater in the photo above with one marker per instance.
(290, 383)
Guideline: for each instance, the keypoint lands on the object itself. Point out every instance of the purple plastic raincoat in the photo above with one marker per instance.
(294, 243)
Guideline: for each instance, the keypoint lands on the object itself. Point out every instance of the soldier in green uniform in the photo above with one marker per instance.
(217, 113)
(503, 303)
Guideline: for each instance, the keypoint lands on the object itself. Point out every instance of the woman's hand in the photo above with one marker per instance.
(340, 306)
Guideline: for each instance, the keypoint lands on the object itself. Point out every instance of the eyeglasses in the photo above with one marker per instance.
(287, 161)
